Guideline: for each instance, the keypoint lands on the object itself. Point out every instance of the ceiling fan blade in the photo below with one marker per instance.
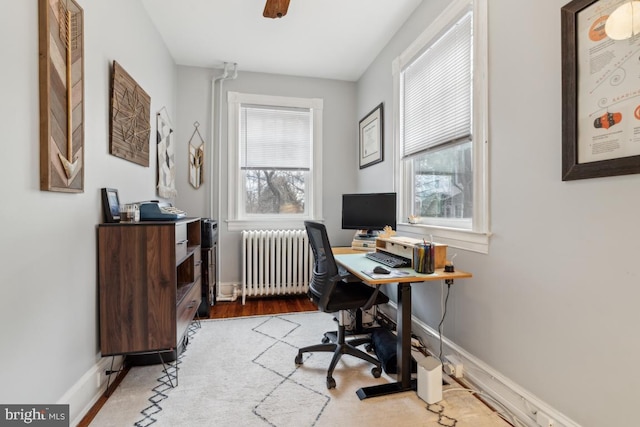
(275, 8)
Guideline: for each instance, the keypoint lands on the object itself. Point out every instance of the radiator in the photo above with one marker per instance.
(275, 262)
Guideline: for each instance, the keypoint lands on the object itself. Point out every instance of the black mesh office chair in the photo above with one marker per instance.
(331, 293)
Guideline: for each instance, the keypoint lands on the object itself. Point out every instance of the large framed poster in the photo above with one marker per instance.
(600, 94)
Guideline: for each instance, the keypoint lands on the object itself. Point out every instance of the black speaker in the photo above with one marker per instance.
(209, 235)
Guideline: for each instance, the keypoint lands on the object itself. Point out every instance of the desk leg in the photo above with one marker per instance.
(404, 383)
(404, 335)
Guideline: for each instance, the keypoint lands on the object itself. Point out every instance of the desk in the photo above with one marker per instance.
(356, 264)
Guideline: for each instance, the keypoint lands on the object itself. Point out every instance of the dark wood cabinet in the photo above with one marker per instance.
(149, 276)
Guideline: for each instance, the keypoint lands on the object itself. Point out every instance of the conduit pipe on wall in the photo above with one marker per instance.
(215, 158)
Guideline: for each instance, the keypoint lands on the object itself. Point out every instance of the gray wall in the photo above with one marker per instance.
(554, 303)
(551, 306)
(339, 146)
(48, 289)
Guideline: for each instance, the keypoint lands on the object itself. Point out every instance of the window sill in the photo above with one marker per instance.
(461, 239)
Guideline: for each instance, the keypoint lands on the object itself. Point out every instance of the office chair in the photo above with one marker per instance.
(331, 293)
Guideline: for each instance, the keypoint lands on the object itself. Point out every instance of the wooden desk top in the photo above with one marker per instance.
(357, 264)
(345, 250)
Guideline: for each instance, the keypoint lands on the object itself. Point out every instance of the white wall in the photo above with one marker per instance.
(553, 306)
(48, 290)
(339, 146)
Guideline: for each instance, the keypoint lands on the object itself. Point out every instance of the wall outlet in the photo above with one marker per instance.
(99, 379)
(453, 366)
(543, 419)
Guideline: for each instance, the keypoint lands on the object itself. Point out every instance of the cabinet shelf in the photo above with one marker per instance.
(183, 289)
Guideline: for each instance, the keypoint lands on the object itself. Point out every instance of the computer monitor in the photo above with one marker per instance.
(369, 212)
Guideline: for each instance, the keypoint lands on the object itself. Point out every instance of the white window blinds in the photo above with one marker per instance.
(437, 91)
(275, 138)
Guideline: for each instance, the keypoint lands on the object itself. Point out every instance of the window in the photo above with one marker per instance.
(274, 160)
(441, 112)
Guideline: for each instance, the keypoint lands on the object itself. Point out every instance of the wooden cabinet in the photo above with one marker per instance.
(149, 279)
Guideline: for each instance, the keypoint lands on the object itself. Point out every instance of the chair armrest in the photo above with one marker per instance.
(372, 299)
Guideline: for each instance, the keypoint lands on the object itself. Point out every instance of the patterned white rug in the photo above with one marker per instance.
(241, 372)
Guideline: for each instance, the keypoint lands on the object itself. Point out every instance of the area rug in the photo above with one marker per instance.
(241, 372)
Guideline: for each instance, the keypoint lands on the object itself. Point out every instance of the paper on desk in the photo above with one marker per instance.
(394, 273)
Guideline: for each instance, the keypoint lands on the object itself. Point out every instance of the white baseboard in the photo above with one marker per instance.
(479, 376)
(87, 390)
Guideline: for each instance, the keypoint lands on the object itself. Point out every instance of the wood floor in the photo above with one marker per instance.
(261, 306)
(227, 309)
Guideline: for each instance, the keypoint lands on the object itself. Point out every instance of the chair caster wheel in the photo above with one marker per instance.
(299, 359)
(331, 383)
(325, 339)
(369, 348)
(376, 372)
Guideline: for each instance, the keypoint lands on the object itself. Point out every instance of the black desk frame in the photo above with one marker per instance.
(403, 349)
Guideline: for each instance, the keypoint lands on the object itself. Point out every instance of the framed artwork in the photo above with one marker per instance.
(600, 96)
(61, 64)
(130, 118)
(371, 138)
(110, 205)
(166, 156)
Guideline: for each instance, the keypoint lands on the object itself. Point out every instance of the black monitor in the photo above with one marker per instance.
(369, 212)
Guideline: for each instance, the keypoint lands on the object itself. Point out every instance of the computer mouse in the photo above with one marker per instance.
(381, 270)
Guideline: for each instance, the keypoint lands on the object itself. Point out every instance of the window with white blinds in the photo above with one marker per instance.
(272, 137)
(274, 168)
(441, 115)
(436, 91)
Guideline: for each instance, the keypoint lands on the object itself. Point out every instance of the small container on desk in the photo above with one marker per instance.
(424, 255)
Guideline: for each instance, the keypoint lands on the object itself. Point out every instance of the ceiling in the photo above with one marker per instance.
(334, 39)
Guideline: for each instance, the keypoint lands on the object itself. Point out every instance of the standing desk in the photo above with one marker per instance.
(357, 264)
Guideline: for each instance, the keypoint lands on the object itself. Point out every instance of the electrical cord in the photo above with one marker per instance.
(444, 313)
(511, 417)
(421, 346)
(531, 410)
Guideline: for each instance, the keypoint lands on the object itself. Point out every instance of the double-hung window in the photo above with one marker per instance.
(441, 116)
(274, 161)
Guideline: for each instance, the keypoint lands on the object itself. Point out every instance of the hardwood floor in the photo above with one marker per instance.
(227, 309)
(261, 306)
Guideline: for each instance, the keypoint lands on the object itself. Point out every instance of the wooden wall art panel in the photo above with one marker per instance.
(61, 63)
(130, 118)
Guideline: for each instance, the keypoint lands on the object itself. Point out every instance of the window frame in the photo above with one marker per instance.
(477, 238)
(237, 219)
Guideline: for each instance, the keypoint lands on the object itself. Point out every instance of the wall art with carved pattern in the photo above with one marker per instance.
(61, 64)
(130, 118)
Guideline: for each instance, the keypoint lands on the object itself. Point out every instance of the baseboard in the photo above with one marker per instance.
(479, 376)
(88, 389)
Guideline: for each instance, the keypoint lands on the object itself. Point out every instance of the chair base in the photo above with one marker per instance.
(336, 344)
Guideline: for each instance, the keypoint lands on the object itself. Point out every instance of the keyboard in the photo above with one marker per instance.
(393, 261)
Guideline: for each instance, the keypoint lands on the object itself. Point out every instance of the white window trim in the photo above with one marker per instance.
(314, 211)
(477, 239)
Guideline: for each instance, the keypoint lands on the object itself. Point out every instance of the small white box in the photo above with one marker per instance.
(430, 380)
